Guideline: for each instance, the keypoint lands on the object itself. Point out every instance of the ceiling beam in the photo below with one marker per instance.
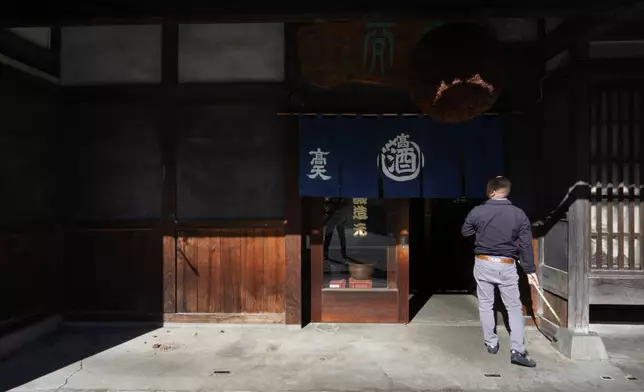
(583, 29)
(28, 53)
(76, 12)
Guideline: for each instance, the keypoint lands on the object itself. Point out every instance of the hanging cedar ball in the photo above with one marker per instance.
(456, 72)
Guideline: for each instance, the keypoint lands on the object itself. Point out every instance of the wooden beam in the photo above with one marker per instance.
(567, 33)
(154, 12)
(617, 289)
(225, 318)
(579, 251)
(26, 52)
(579, 238)
(167, 141)
(583, 29)
(402, 257)
(153, 94)
(293, 214)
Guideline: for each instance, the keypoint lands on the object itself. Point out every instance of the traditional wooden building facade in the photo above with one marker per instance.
(168, 182)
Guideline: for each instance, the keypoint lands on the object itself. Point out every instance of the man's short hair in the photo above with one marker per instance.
(499, 184)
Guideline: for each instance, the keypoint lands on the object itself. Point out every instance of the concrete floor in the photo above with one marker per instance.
(625, 346)
(448, 310)
(422, 356)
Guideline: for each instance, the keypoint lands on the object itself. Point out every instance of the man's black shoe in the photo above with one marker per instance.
(492, 350)
(521, 359)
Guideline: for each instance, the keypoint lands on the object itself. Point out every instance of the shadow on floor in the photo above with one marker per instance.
(59, 350)
(416, 303)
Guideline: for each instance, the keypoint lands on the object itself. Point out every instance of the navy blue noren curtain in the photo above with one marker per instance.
(397, 157)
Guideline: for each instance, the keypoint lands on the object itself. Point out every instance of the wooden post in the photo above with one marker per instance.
(293, 230)
(402, 258)
(293, 211)
(169, 76)
(579, 256)
(579, 212)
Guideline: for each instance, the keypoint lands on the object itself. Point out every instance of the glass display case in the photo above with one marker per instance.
(359, 256)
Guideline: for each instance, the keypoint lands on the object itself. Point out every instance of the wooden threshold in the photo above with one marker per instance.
(160, 318)
(225, 318)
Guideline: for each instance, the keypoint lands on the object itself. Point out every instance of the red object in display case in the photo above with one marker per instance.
(360, 284)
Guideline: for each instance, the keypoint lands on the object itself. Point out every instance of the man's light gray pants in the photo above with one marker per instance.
(505, 277)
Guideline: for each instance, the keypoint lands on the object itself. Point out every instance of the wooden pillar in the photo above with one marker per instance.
(402, 258)
(169, 76)
(579, 256)
(293, 210)
(579, 211)
(293, 230)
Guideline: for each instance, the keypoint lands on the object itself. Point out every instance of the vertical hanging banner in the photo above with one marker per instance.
(400, 157)
(360, 216)
(442, 171)
(319, 169)
(483, 154)
(358, 148)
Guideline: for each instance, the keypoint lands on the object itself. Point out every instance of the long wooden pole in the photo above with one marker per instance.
(543, 297)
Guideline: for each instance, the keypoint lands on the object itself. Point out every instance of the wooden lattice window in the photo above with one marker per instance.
(616, 177)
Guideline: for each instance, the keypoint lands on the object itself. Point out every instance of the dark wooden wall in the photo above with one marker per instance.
(173, 200)
(179, 201)
(555, 142)
(232, 270)
(554, 175)
(28, 233)
(110, 204)
(113, 270)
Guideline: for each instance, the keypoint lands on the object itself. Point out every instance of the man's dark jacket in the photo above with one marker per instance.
(498, 225)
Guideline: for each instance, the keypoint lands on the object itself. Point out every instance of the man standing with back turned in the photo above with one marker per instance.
(498, 225)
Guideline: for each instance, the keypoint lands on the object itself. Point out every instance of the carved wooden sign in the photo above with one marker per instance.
(332, 54)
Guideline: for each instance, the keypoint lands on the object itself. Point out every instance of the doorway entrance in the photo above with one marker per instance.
(441, 258)
(359, 259)
(442, 284)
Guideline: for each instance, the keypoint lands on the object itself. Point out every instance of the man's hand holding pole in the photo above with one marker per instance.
(534, 280)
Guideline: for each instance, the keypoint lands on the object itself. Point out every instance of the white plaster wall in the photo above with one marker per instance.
(93, 55)
(514, 29)
(617, 49)
(38, 35)
(242, 52)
